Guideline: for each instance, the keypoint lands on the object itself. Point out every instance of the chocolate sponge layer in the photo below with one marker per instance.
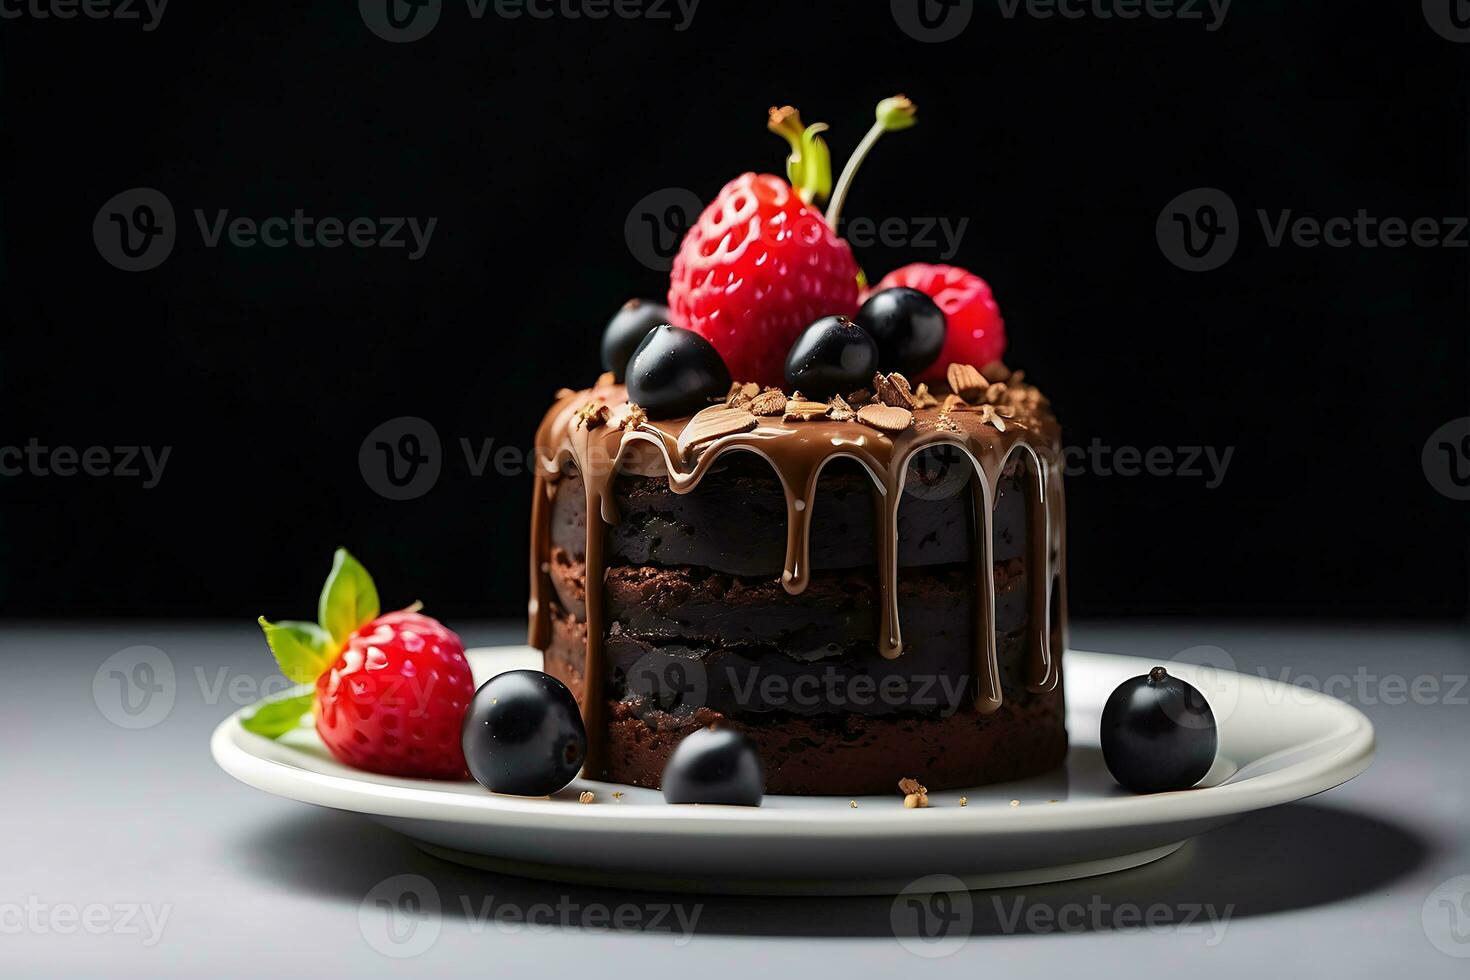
(735, 520)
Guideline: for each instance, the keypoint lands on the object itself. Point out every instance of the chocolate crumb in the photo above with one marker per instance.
(586, 797)
(964, 801)
(592, 415)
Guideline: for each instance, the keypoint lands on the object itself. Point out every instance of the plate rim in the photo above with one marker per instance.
(231, 746)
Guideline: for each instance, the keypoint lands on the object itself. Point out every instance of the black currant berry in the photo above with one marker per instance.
(1158, 733)
(675, 372)
(714, 765)
(907, 326)
(833, 356)
(523, 734)
(626, 330)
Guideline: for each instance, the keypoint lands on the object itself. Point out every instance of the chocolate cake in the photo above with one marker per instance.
(869, 588)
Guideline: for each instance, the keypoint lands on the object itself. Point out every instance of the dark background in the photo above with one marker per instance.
(1061, 141)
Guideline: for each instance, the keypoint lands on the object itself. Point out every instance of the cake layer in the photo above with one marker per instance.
(735, 520)
(836, 609)
(855, 754)
(678, 674)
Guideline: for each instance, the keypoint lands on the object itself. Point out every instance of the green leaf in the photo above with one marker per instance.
(349, 599)
(275, 718)
(303, 650)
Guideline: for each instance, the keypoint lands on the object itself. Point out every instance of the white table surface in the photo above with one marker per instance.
(125, 852)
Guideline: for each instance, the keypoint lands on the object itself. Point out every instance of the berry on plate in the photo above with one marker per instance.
(626, 330)
(675, 372)
(976, 332)
(831, 357)
(389, 692)
(523, 734)
(714, 765)
(907, 326)
(1158, 733)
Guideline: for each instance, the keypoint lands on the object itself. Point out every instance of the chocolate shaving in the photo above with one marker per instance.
(742, 394)
(988, 414)
(586, 796)
(714, 422)
(966, 382)
(995, 392)
(954, 403)
(772, 401)
(923, 398)
(886, 418)
(893, 389)
(996, 371)
(860, 398)
(606, 379)
(804, 410)
(840, 411)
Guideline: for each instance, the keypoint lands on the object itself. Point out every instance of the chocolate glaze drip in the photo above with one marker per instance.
(797, 452)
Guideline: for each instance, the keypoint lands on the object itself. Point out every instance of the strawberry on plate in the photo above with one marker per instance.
(389, 692)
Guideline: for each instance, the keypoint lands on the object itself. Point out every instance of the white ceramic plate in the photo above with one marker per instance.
(1277, 744)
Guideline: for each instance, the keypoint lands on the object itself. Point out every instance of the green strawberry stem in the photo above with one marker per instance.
(892, 115)
(809, 167)
(304, 651)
